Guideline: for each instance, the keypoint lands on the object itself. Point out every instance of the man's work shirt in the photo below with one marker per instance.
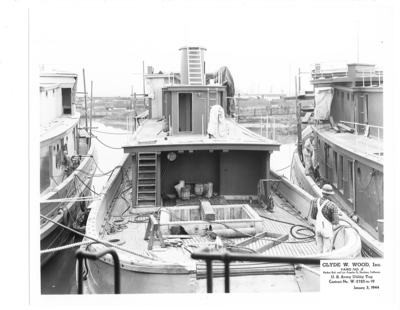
(330, 210)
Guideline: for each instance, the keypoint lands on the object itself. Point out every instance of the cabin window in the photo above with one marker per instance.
(348, 96)
(66, 100)
(342, 96)
(185, 112)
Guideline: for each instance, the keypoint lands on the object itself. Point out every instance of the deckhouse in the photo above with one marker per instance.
(196, 141)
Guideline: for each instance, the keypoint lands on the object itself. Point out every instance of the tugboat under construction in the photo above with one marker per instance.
(191, 179)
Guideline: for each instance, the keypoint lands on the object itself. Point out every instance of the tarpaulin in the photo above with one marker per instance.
(224, 77)
(217, 126)
(323, 100)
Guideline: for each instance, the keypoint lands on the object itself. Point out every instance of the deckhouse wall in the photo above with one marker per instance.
(232, 173)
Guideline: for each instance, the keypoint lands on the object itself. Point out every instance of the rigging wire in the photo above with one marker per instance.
(106, 145)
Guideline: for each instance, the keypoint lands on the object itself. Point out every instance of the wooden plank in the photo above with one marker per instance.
(253, 239)
(207, 211)
(273, 243)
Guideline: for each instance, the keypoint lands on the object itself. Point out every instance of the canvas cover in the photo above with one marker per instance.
(217, 126)
(323, 100)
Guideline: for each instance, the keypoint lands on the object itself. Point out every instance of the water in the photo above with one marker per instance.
(58, 275)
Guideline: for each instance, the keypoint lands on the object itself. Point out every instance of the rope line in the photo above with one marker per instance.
(65, 247)
(106, 145)
(111, 133)
(86, 198)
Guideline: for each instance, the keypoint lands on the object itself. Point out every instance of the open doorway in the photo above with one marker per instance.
(185, 112)
(66, 100)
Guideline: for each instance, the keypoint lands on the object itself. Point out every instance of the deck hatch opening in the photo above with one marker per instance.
(192, 220)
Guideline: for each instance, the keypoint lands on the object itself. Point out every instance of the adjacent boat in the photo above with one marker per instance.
(193, 179)
(348, 147)
(66, 160)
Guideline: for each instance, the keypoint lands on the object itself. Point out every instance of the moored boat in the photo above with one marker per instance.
(348, 148)
(193, 179)
(66, 161)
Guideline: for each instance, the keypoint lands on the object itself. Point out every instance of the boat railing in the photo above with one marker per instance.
(227, 258)
(328, 74)
(368, 75)
(267, 126)
(366, 129)
(80, 255)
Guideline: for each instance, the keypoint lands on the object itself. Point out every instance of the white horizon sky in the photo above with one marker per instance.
(263, 43)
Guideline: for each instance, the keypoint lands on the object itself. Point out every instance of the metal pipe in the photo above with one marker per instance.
(227, 274)
(209, 276)
(256, 258)
(80, 255)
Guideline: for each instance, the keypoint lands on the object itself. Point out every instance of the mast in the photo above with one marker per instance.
(298, 116)
(84, 90)
(91, 111)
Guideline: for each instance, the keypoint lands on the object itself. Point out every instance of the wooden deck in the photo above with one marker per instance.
(132, 233)
(365, 148)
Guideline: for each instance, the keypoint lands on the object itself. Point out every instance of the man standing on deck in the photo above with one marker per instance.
(326, 220)
(308, 154)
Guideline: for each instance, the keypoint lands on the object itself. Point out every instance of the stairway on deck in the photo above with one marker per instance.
(146, 179)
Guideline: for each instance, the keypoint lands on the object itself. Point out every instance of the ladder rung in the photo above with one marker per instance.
(146, 192)
(146, 184)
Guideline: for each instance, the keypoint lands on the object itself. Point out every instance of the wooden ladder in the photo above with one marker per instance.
(195, 66)
(146, 179)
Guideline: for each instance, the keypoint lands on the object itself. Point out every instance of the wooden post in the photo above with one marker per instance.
(91, 111)
(267, 186)
(84, 90)
(135, 180)
(144, 87)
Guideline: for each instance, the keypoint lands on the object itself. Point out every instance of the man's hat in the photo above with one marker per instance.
(327, 189)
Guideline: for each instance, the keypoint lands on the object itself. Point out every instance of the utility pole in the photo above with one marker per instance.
(84, 90)
(299, 81)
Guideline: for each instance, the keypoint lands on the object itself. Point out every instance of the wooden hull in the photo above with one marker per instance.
(52, 235)
(371, 246)
(141, 275)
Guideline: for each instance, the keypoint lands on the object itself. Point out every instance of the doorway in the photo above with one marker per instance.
(185, 112)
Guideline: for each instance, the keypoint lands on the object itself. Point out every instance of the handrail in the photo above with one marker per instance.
(80, 255)
(360, 124)
(227, 258)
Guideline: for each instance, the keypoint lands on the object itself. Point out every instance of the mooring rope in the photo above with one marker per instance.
(65, 247)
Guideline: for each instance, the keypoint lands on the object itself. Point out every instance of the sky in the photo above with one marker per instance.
(263, 43)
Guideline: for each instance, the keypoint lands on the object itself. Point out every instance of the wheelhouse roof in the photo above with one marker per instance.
(150, 137)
